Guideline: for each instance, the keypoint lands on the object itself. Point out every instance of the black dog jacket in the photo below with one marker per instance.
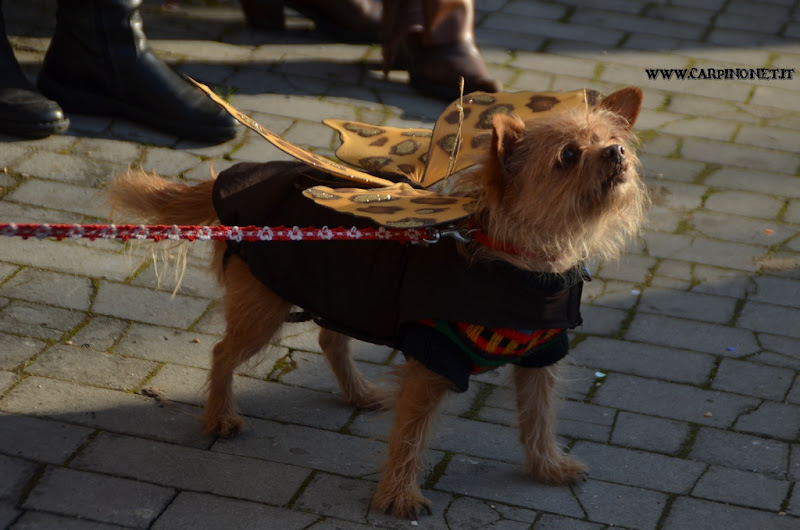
(416, 298)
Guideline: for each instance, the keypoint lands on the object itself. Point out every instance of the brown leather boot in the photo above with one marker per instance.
(435, 42)
(346, 20)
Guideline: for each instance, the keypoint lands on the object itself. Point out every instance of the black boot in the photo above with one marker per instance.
(23, 111)
(99, 63)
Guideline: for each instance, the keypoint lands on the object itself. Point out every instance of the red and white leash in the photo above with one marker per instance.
(226, 233)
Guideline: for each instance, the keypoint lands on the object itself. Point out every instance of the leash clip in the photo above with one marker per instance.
(436, 234)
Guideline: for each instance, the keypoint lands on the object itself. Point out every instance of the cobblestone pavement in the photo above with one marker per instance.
(682, 392)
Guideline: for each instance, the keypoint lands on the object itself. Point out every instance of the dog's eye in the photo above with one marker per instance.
(568, 156)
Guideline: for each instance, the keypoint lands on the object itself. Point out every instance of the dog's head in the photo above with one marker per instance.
(562, 188)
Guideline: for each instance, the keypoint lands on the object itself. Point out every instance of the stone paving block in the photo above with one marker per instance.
(778, 420)
(770, 318)
(743, 156)
(545, 62)
(794, 393)
(105, 409)
(704, 251)
(63, 256)
(695, 306)
(39, 321)
(620, 505)
(740, 203)
(699, 337)
(8, 513)
(100, 333)
(505, 483)
(6, 380)
(340, 497)
(740, 229)
(17, 350)
(747, 378)
(740, 451)
(40, 440)
(769, 96)
(599, 320)
(722, 282)
(768, 137)
(168, 162)
(476, 438)
(780, 291)
(643, 360)
(190, 469)
(167, 345)
(107, 149)
(306, 447)
(32, 520)
(670, 400)
(98, 497)
(792, 213)
(16, 473)
(556, 522)
(756, 181)
(637, 468)
(202, 511)
(631, 268)
(546, 28)
(703, 128)
(61, 196)
(649, 433)
(314, 372)
(741, 488)
(82, 365)
(67, 168)
(145, 305)
(24, 213)
(670, 169)
(604, 18)
(257, 398)
(685, 513)
(194, 281)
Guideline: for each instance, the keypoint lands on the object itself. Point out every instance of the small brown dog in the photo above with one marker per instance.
(551, 193)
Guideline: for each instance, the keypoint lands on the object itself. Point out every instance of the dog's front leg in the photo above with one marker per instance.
(546, 461)
(421, 392)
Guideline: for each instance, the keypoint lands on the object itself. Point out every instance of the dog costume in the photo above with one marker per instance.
(456, 315)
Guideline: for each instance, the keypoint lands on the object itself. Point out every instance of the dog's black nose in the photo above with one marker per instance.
(616, 153)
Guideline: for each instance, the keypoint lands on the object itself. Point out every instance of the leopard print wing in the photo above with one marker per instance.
(382, 149)
(313, 160)
(397, 206)
(476, 125)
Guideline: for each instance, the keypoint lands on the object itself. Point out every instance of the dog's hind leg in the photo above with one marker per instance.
(253, 313)
(421, 392)
(356, 389)
(546, 461)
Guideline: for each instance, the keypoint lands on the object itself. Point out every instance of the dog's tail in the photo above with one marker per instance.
(156, 200)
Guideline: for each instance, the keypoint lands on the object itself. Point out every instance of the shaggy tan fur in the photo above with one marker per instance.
(559, 190)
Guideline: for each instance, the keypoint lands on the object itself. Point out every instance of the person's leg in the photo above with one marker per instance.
(346, 20)
(23, 111)
(434, 41)
(99, 62)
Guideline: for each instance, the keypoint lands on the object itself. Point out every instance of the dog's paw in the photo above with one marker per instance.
(402, 504)
(559, 469)
(372, 398)
(224, 427)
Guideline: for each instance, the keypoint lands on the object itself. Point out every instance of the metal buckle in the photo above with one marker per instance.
(436, 234)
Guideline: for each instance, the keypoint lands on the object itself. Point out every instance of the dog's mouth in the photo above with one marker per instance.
(616, 175)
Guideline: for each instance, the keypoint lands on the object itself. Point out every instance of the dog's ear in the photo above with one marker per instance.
(506, 131)
(626, 103)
